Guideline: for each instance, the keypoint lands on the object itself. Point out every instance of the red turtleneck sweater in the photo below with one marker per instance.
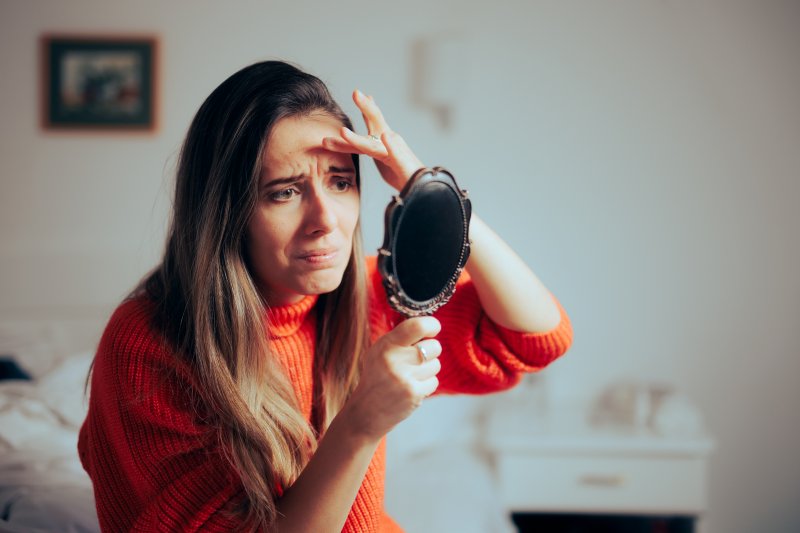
(155, 466)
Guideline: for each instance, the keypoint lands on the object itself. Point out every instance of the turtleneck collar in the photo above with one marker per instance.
(285, 320)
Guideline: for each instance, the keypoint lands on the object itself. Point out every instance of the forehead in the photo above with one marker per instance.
(296, 142)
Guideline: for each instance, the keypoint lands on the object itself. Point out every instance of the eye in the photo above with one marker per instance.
(283, 195)
(343, 184)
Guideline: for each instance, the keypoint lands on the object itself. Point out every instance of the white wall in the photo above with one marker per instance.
(642, 156)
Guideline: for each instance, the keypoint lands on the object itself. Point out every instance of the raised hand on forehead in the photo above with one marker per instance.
(394, 159)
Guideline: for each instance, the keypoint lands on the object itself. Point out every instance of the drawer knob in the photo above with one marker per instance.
(603, 480)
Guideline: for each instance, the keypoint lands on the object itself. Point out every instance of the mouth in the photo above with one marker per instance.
(320, 256)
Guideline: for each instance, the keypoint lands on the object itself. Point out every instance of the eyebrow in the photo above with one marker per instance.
(293, 179)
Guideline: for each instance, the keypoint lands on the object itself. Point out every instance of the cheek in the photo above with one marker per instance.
(349, 216)
(265, 241)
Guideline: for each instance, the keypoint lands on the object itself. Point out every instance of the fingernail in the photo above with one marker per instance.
(432, 323)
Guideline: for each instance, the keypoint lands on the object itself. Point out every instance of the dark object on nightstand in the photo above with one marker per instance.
(589, 523)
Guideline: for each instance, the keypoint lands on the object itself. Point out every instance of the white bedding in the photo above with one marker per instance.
(42, 484)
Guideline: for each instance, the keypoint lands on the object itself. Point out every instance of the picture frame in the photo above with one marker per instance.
(93, 82)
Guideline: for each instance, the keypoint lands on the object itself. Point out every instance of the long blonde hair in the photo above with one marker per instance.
(208, 303)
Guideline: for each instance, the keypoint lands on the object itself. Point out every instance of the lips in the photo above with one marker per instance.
(320, 252)
(319, 258)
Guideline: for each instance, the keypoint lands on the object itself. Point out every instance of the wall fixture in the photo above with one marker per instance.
(439, 74)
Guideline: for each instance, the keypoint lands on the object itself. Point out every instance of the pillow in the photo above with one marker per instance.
(62, 388)
(31, 344)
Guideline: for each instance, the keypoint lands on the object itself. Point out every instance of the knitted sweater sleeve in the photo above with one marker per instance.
(478, 355)
(153, 463)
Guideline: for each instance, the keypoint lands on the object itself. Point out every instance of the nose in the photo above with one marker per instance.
(320, 213)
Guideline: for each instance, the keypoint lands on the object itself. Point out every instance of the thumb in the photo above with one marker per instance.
(413, 330)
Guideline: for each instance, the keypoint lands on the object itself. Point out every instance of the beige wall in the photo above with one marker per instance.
(642, 156)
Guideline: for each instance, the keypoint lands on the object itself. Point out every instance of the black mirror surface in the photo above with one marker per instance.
(426, 242)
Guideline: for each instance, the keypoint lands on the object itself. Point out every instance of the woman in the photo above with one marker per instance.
(248, 383)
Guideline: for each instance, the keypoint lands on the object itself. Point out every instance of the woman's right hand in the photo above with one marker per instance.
(394, 379)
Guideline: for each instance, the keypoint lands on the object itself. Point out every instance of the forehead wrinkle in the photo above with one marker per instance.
(294, 147)
(309, 163)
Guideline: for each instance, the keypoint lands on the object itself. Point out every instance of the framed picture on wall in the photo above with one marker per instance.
(99, 82)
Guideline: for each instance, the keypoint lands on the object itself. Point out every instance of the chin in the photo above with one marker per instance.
(323, 282)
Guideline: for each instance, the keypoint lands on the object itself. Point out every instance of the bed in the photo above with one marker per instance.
(43, 487)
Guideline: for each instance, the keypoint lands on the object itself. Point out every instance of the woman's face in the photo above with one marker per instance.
(300, 236)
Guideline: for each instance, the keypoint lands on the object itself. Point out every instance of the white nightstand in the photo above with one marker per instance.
(559, 464)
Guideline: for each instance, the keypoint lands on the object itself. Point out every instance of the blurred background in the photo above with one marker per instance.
(642, 156)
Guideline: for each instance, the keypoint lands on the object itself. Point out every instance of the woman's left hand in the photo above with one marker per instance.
(394, 159)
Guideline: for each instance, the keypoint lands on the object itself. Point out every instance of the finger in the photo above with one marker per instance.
(359, 99)
(399, 151)
(373, 117)
(353, 143)
(420, 352)
(368, 145)
(413, 330)
(427, 386)
(431, 348)
(336, 144)
(427, 370)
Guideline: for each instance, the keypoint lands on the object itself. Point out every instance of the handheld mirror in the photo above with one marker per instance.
(426, 242)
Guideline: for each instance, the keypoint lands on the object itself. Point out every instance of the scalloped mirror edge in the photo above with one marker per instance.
(398, 299)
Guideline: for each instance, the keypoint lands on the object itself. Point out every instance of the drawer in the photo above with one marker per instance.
(602, 484)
